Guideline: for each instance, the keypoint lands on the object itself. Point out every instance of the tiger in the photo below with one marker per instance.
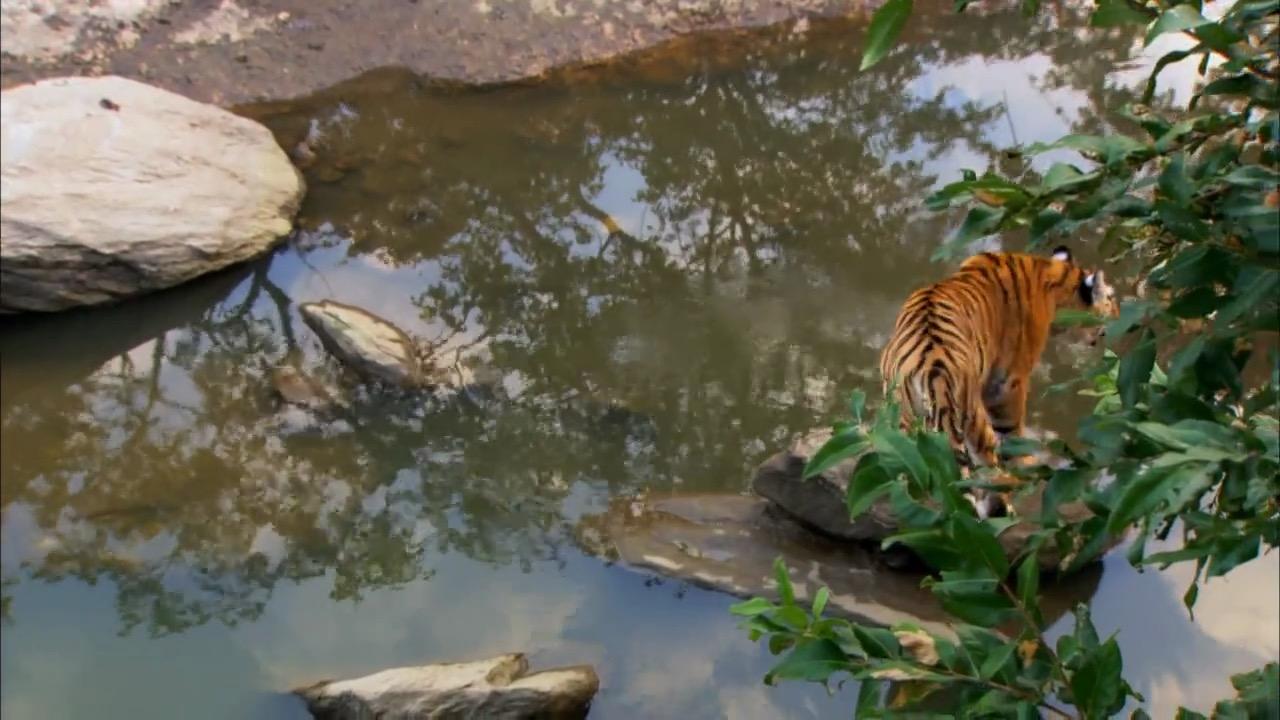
(962, 349)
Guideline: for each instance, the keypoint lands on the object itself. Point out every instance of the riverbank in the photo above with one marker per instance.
(235, 53)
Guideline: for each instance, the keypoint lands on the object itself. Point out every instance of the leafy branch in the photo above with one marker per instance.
(1186, 428)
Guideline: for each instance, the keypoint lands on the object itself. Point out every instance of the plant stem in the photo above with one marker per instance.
(1031, 623)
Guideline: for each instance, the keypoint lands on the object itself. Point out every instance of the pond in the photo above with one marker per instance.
(663, 269)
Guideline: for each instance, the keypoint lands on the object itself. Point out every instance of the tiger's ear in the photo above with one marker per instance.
(1085, 289)
(1062, 253)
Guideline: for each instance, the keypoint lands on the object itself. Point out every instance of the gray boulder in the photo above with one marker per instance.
(110, 188)
(819, 503)
(501, 688)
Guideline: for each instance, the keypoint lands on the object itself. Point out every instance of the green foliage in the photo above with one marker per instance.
(886, 25)
(1184, 439)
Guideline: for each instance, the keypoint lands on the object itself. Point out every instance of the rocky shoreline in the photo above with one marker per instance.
(230, 53)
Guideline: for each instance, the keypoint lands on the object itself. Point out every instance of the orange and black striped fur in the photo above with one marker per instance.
(963, 349)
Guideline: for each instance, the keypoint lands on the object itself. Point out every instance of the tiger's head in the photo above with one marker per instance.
(1088, 290)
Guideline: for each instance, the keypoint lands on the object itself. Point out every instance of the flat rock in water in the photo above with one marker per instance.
(371, 345)
(110, 188)
(819, 503)
(499, 687)
(729, 542)
(295, 387)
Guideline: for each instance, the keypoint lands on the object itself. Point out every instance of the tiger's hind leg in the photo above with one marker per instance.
(1006, 405)
(981, 442)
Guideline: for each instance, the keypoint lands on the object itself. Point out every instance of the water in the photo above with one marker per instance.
(669, 266)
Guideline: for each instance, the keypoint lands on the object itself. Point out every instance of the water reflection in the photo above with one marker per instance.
(668, 266)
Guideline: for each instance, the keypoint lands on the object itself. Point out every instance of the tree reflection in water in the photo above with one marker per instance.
(673, 263)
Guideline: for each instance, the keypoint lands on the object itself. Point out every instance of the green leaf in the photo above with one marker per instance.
(869, 483)
(1257, 695)
(1164, 434)
(986, 609)
(1230, 552)
(1065, 485)
(1174, 134)
(857, 402)
(972, 596)
(1174, 182)
(820, 601)
(1132, 314)
(1084, 633)
(897, 451)
(1029, 581)
(1175, 19)
(842, 446)
(1185, 359)
(1062, 176)
(1198, 302)
(934, 546)
(997, 661)
(1097, 685)
(1254, 176)
(1164, 61)
(1260, 288)
(785, 591)
(1114, 13)
(978, 223)
(1243, 84)
(1181, 220)
(886, 25)
(877, 642)
(1138, 548)
(754, 606)
(870, 694)
(980, 544)
(935, 449)
(792, 617)
(1149, 489)
(1216, 36)
(1108, 149)
(1044, 222)
(777, 645)
(1135, 369)
(813, 661)
(1012, 447)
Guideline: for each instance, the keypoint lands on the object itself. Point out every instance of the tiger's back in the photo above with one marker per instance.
(962, 349)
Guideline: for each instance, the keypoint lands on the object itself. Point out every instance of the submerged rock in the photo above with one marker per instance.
(295, 387)
(819, 503)
(367, 343)
(499, 687)
(113, 188)
(729, 542)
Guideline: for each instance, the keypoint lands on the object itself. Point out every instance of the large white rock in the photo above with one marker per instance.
(499, 688)
(110, 188)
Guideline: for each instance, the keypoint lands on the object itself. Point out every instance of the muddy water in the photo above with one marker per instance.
(654, 273)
